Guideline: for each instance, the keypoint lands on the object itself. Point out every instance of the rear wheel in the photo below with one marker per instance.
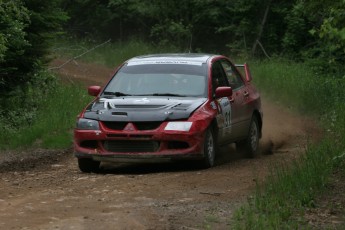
(209, 149)
(88, 165)
(250, 145)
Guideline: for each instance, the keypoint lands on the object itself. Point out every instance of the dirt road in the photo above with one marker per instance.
(41, 189)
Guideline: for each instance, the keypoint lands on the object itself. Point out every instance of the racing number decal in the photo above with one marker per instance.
(225, 110)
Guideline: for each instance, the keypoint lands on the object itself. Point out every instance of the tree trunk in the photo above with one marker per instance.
(261, 27)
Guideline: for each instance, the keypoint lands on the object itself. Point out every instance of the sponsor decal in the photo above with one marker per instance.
(224, 117)
(179, 62)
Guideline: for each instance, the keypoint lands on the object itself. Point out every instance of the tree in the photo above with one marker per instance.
(332, 33)
(297, 28)
(14, 18)
(26, 28)
(316, 31)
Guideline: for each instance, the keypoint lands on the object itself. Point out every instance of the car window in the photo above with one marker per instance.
(149, 79)
(234, 78)
(218, 76)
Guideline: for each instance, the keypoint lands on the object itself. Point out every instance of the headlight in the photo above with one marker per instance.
(179, 126)
(87, 124)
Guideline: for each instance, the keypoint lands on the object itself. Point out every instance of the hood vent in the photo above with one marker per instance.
(182, 106)
(119, 114)
(138, 106)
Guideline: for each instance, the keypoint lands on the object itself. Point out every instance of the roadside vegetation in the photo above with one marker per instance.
(280, 202)
(45, 118)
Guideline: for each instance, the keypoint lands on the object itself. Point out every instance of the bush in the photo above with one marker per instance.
(43, 116)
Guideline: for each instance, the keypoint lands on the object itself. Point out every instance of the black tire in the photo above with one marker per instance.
(250, 146)
(88, 165)
(209, 149)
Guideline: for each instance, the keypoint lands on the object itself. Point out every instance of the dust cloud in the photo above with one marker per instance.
(283, 128)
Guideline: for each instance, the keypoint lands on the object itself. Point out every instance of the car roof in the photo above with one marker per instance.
(170, 58)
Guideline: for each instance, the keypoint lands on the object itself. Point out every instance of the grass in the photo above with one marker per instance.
(209, 221)
(297, 85)
(279, 203)
(53, 120)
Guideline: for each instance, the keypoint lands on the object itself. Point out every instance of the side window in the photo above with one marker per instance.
(234, 78)
(218, 76)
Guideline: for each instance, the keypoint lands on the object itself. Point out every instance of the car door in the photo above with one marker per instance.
(223, 104)
(240, 118)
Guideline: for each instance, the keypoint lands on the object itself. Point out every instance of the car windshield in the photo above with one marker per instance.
(181, 80)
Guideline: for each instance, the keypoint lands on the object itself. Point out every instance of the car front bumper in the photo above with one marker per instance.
(138, 146)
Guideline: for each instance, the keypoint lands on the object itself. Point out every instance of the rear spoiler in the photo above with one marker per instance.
(247, 73)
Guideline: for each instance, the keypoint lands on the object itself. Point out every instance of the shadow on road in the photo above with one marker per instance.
(226, 155)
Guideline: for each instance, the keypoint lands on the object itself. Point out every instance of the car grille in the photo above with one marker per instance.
(114, 125)
(131, 146)
(147, 125)
(139, 125)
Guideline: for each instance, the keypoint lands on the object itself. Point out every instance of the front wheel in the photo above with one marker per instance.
(88, 165)
(209, 149)
(250, 145)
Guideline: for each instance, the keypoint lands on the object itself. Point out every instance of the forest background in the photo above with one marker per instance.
(301, 30)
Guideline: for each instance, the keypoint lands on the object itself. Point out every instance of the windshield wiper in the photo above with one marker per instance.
(117, 94)
(168, 94)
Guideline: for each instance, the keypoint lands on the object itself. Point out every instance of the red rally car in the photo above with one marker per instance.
(167, 107)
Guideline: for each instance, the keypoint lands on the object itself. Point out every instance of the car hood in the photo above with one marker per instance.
(142, 109)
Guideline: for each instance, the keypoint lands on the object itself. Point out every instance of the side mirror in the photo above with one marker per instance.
(223, 91)
(94, 90)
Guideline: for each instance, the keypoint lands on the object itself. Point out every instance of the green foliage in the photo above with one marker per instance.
(14, 18)
(89, 17)
(25, 29)
(300, 86)
(322, 24)
(296, 34)
(46, 119)
(182, 24)
(332, 32)
(296, 29)
(46, 19)
(168, 29)
(20, 107)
